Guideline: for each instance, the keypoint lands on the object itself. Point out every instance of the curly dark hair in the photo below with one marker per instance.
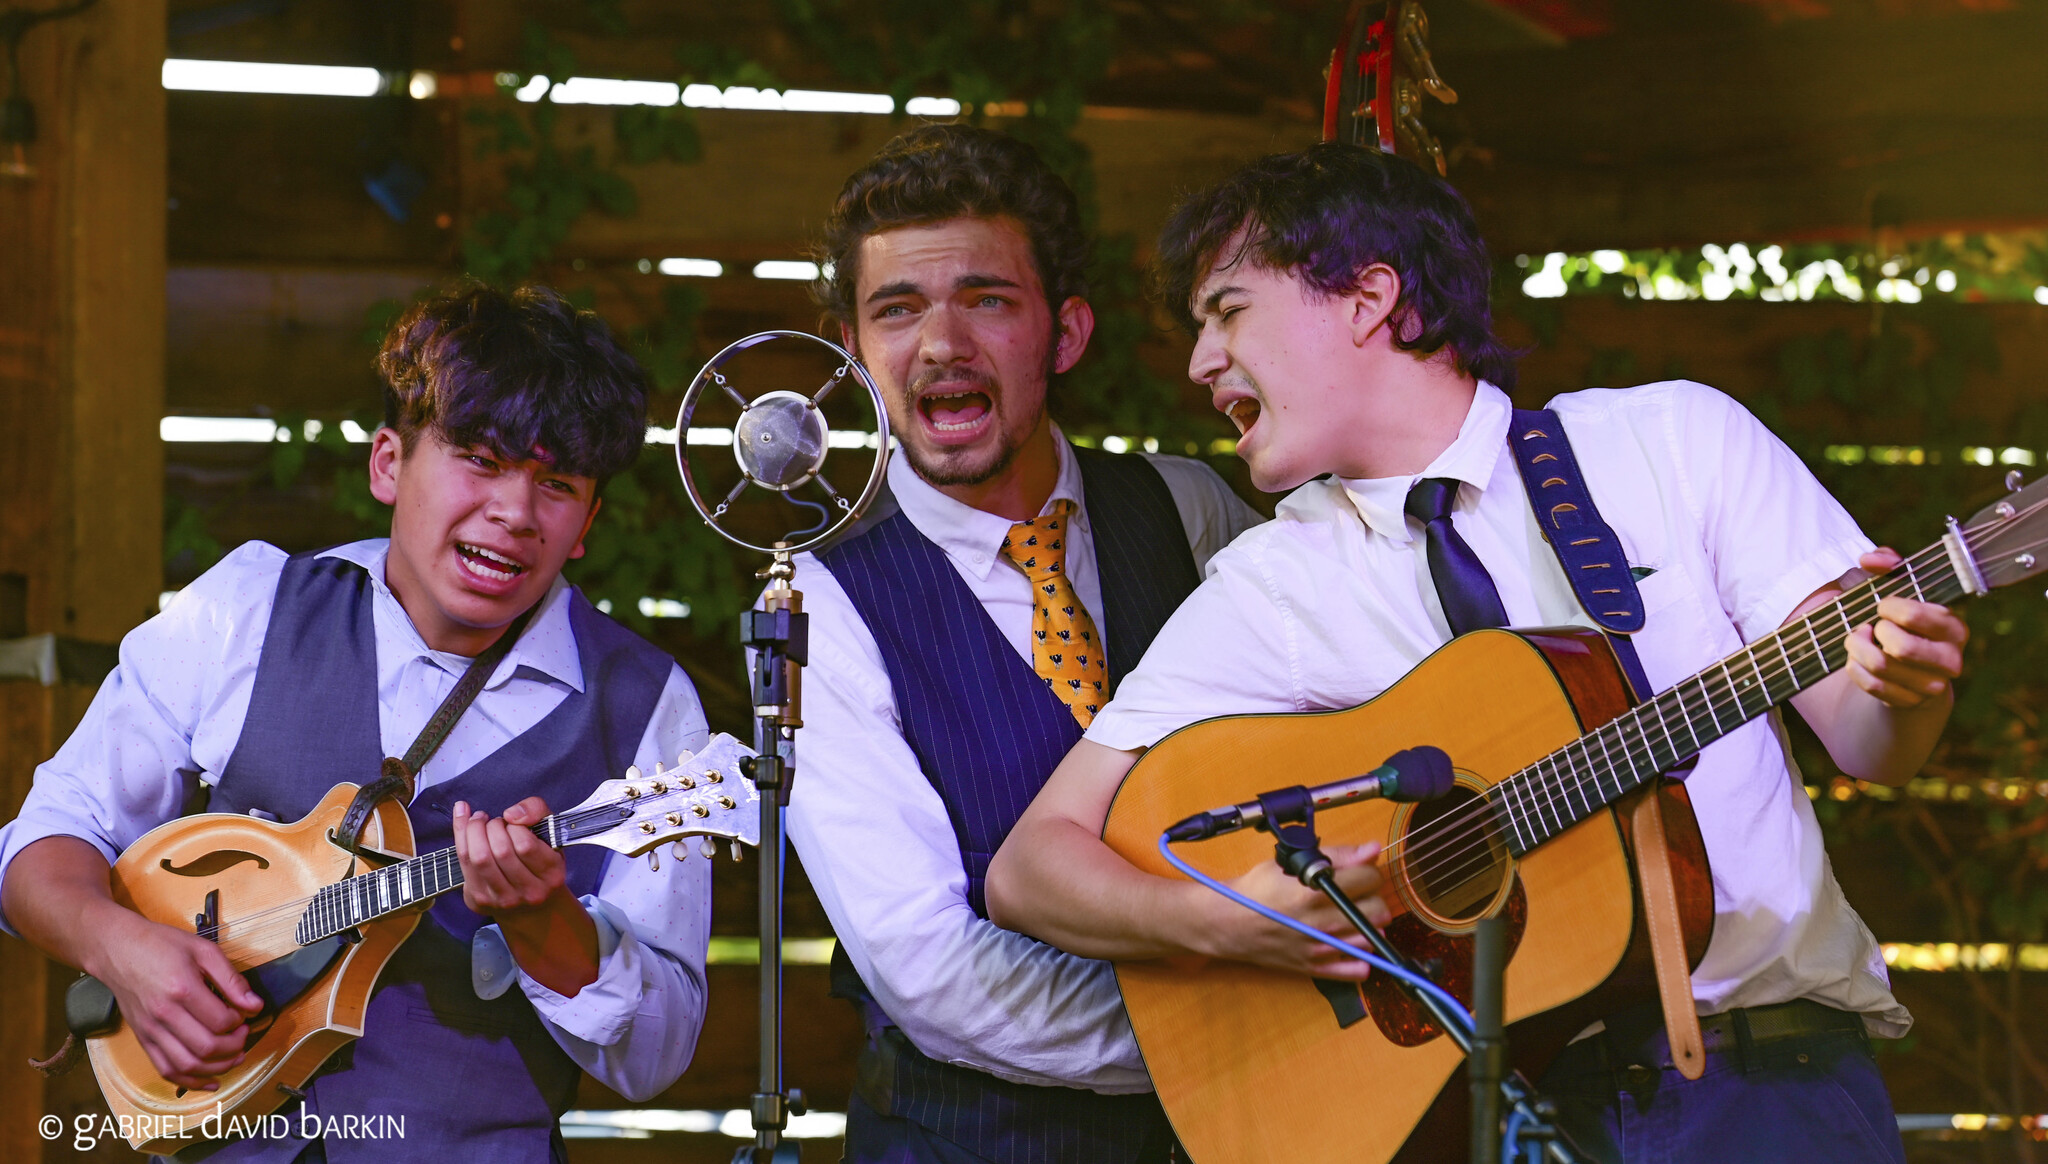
(1330, 211)
(515, 372)
(936, 172)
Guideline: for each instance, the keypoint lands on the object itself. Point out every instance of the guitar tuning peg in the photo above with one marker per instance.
(681, 851)
(2014, 480)
(708, 847)
(654, 860)
(658, 769)
(735, 850)
(632, 772)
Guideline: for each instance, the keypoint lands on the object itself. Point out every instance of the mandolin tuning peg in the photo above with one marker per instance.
(681, 851)
(654, 860)
(2014, 480)
(708, 847)
(632, 772)
(735, 850)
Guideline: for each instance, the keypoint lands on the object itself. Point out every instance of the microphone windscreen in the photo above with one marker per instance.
(1423, 773)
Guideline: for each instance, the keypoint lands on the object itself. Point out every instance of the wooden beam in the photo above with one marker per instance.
(1821, 129)
(81, 388)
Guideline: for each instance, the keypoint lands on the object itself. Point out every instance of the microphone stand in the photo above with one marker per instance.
(779, 636)
(1290, 813)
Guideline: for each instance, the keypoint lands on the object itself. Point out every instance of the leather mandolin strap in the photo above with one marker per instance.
(397, 774)
(1667, 936)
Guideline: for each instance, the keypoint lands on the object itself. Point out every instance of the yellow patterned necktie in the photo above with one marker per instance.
(1065, 648)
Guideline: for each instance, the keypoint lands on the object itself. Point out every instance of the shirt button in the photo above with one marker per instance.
(981, 559)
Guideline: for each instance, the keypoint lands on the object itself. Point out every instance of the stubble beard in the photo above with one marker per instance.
(968, 466)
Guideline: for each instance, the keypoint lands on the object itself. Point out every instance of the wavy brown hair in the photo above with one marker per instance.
(936, 172)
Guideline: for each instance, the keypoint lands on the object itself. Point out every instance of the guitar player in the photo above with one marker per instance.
(272, 678)
(1338, 297)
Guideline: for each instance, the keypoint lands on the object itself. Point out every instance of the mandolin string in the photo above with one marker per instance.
(1476, 826)
(259, 927)
(1810, 651)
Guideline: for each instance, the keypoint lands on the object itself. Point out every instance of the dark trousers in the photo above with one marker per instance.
(1811, 1098)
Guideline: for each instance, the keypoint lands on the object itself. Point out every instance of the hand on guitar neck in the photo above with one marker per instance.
(519, 881)
(1881, 714)
(188, 1007)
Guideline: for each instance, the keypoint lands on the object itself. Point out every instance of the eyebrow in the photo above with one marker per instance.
(1215, 297)
(964, 283)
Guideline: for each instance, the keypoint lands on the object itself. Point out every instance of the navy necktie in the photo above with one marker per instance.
(1462, 584)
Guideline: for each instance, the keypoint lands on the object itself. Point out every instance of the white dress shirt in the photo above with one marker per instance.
(1331, 603)
(173, 709)
(878, 846)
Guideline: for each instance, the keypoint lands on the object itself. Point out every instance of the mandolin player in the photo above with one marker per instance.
(1338, 299)
(274, 677)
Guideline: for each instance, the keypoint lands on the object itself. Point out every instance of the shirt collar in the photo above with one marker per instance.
(972, 537)
(1470, 459)
(547, 646)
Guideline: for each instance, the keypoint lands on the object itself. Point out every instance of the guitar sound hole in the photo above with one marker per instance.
(1456, 860)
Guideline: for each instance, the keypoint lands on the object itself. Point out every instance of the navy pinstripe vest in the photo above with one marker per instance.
(474, 1079)
(987, 732)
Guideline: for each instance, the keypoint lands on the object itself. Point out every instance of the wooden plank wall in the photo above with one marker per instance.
(81, 391)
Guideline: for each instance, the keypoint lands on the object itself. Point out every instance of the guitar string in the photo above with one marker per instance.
(1809, 652)
(1472, 845)
(1480, 841)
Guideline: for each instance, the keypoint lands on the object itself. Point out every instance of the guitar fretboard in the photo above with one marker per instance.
(1663, 732)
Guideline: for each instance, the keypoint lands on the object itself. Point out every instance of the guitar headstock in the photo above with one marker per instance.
(2009, 538)
(703, 795)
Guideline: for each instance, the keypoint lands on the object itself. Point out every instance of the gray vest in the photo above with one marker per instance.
(472, 1079)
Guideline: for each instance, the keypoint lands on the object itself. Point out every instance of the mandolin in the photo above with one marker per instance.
(1549, 749)
(310, 925)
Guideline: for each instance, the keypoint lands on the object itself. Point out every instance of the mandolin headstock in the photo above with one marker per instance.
(703, 795)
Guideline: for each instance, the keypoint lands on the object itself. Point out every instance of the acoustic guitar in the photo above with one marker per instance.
(1547, 744)
(310, 925)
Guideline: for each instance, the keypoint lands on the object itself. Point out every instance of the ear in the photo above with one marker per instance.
(594, 507)
(1076, 324)
(1371, 304)
(387, 460)
(849, 338)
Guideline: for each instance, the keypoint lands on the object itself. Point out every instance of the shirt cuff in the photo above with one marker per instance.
(601, 1012)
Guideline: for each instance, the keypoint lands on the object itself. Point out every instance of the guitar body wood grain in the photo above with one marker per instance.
(1252, 1065)
(293, 861)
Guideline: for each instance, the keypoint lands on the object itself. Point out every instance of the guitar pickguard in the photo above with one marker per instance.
(1445, 958)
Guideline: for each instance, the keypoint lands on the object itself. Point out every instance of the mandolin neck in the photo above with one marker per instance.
(402, 885)
(1663, 732)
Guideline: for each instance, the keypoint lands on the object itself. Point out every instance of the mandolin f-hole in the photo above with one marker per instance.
(1453, 866)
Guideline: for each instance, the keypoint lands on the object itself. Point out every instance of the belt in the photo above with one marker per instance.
(1636, 1036)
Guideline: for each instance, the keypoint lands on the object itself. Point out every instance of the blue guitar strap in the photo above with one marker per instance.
(1584, 543)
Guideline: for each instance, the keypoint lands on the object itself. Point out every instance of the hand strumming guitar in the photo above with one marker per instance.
(519, 881)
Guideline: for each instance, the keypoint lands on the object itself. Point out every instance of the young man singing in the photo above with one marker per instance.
(1339, 302)
(273, 678)
(961, 638)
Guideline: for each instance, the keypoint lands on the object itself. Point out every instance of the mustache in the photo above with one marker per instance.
(965, 377)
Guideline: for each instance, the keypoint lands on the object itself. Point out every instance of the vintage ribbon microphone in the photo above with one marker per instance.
(780, 442)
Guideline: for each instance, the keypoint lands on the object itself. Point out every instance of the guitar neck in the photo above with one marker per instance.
(399, 886)
(1665, 731)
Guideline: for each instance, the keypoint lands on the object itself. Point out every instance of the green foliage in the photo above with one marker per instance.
(1970, 268)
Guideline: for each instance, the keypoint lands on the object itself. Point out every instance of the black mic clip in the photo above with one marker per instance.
(1291, 816)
